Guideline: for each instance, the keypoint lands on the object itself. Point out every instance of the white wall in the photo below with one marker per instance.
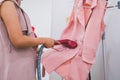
(39, 12)
(61, 9)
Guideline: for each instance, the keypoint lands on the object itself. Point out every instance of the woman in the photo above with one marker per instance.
(17, 43)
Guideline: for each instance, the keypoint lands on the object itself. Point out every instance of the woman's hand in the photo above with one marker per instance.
(48, 42)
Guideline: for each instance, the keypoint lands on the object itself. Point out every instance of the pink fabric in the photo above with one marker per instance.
(16, 64)
(75, 64)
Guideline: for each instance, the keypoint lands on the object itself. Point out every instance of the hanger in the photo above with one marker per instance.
(118, 5)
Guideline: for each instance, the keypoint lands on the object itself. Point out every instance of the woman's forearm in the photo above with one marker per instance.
(25, 42)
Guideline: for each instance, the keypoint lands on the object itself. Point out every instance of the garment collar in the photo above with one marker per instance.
(84, 3)
(91, 3)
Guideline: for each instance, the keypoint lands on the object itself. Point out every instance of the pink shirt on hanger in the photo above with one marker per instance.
(86, 27)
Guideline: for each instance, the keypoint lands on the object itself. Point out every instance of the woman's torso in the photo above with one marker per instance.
(14, 61)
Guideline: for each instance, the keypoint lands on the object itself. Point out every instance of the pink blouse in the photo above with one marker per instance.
(86, 27)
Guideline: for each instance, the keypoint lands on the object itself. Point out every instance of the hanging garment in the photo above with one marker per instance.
(86, 27)
(17, 64)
